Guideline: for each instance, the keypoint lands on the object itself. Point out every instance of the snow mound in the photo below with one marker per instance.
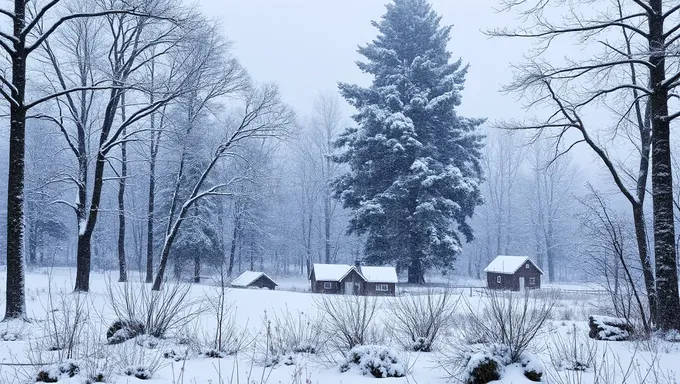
(609, 328)
(494, 362)
(378, 360)
(56, 372)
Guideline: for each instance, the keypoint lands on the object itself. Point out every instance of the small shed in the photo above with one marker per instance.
(514, 273)
(251, 279)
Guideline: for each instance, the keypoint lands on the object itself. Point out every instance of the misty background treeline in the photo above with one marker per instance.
(161, 98)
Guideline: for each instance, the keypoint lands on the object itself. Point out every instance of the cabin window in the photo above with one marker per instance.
(527, 266)
(532, 281)
(498, 279)
(382, 287)
(327, 285)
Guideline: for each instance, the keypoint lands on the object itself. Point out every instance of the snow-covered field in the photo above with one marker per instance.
(252, 308)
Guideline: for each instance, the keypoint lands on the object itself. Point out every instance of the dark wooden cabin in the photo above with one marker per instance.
(353, 280)
(250, 279)
(513, 273)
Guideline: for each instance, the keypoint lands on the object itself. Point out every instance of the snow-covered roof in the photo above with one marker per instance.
(508, 265)
(248, 277)
(380, 274)
(331, 272)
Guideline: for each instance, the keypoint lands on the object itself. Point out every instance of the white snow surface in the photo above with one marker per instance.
(248, 277)
(508, 264)
(379, 274)
(250, 310)
(331, 272)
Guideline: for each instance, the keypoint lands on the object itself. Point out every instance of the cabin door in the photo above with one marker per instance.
(521, 283)
(349, 288)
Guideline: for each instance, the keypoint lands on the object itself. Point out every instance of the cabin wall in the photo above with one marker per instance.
(263, 282)
(371, 291)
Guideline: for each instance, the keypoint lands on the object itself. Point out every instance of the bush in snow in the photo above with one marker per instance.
(377, 360)
(348, 320)
(290, 334)
(575, 352)
(509, 319)
(140, 372)
(419, 319)
(123, 330)
(481, 369)
(56, 372)
(609, 328)
(160, 312)
(488, 363)
(134, 360)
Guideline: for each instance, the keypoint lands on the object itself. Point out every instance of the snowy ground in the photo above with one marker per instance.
(252, 306)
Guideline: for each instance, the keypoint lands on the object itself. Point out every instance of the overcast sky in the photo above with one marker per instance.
(307, 46)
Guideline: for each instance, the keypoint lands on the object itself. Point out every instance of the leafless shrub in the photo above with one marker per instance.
(417, 320)
(160, 311)
(225, 338)
(132, 360)
(349, 320)
(509, 319)
(608, 368)
(575, 352)
(291, 334)
(66, 316)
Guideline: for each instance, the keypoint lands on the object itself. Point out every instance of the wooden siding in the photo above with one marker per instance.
(511, 282)
(263, 282)
(361, 287)
(370, 289)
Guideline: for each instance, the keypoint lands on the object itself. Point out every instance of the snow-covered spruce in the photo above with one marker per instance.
(377, 360)
(414, 163)
(609, 328)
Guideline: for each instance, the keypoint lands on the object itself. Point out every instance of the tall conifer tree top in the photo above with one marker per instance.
(414, 163)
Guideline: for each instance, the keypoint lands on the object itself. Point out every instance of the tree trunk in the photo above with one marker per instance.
(122, 268)
(15, 295)
(32, 241)
(234, 240)
(662, 178)
(197, 268)
(84, 255)
(153, 146)
(416, 274)
(327, 226)
(648, 274)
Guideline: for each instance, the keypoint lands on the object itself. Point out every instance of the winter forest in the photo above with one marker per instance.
(368, 161)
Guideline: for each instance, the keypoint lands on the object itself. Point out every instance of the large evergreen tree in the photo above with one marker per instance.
(414, 163)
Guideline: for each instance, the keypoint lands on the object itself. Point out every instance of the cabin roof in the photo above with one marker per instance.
(249, 277)
(380, 274)
(508, 265)
(337, 272)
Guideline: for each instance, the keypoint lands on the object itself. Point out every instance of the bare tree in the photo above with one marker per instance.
(27, 35)
(610, 236)
(213, 74)
(263, 116)
(630, 72)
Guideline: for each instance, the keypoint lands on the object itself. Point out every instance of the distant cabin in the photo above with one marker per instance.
(513, 273)
(353, 279)
(250, 279)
